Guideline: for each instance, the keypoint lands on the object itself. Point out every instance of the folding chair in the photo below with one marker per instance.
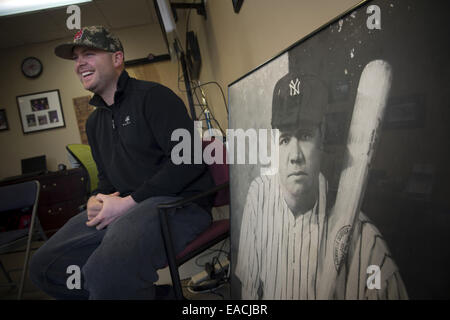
(15, 197)
(216, 232)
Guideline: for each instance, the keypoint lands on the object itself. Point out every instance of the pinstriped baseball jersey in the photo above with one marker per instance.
(279, 257)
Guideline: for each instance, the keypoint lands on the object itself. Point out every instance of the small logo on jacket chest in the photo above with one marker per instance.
(126, 122)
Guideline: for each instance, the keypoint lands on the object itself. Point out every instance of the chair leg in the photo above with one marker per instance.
(171, 255)
(27, 254)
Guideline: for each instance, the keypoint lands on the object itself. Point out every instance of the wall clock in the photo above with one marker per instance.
(31, 67)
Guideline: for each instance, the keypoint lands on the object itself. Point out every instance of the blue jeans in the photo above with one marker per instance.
(118, 262)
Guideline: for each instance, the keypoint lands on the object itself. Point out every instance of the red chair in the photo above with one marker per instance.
(216, 232)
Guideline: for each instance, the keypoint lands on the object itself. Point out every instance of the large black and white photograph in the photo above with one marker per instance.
(358, 206)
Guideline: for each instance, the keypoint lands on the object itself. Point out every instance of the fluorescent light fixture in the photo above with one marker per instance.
(10, 7)
(166, 15)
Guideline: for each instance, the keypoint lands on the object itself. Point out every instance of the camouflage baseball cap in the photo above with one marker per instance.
(97, 37)
(298, 98)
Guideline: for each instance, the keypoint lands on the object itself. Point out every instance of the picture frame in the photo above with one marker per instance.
(3, 120)
(40, 111)
(278, 251)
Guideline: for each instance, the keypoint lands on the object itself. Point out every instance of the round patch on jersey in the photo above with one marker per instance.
(341, 245)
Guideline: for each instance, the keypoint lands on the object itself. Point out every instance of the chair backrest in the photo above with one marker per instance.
(82, 153)
(19, 195)
(219, 171)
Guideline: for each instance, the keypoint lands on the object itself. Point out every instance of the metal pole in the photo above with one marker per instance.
(187, 83)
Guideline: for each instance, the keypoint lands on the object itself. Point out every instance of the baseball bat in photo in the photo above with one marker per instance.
(371, 99)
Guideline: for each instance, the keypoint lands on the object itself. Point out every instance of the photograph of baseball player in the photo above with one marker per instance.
(359, 206)
(286, 261)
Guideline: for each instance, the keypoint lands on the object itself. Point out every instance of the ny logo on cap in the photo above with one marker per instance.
(294, 87)
(78, 35)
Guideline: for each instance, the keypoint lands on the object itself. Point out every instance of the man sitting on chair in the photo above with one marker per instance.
(117, 242)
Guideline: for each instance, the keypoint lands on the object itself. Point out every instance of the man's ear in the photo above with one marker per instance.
(118, 58)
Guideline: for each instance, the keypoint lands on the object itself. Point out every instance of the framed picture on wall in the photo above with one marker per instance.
(3, 120)
(40, 111)
(319, 223)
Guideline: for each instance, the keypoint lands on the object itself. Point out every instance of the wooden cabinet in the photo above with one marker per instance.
(61, 195)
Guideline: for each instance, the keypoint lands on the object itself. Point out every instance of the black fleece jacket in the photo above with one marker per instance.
(131, 145)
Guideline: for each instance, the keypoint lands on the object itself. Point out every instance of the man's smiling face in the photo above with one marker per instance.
(94, 68)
